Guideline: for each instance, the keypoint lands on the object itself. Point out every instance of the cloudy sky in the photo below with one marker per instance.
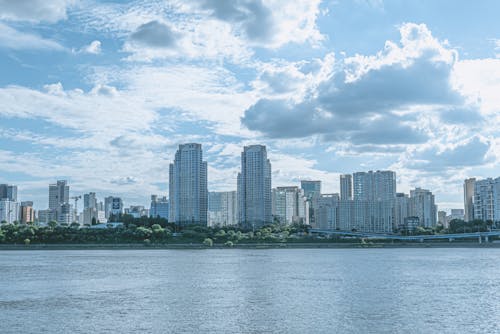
(102, 92)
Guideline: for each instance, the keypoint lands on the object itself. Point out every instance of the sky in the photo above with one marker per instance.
(101, 93)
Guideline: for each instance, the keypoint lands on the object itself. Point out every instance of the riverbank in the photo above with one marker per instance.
(468, 244)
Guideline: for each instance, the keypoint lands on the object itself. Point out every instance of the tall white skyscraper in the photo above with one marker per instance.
(188, 186)
(346, 186)
(469, 185)
(254, 187)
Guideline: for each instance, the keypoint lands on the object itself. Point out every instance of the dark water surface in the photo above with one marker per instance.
(251, 291)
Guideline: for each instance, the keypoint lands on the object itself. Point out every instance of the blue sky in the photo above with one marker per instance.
(102, 92)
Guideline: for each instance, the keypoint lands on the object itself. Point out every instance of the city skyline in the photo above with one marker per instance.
(101, 93)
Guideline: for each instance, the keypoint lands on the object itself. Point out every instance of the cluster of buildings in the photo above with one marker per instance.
(368, 201)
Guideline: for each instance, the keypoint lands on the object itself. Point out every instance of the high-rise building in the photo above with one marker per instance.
(8, 192)
(58, 194)
(188, 186)
(289, 205)
(401, 209)
(59, 203)
(442, 218)
(9, 211)
(158, 207)
(374, 195)
(113, 206)
(346, 186)
(312, 191)
(254, 187)
(328, 212)
(90, 201)
(469, 186)
(222, 208)
(26, 212)
(422, 205)
(487, 199)
(374, 186)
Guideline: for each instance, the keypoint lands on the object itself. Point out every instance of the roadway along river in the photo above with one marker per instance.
(453, 290)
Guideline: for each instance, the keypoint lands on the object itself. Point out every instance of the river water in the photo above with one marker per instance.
(455, 290)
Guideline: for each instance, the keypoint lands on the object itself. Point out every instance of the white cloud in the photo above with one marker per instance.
(93, 48)
(35, 10)
(13, 39)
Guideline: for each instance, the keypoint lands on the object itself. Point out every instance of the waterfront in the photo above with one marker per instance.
(448, 290)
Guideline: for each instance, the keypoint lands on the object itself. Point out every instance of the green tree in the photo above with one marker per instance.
(27, 241)
(208, 242)
(229, 243)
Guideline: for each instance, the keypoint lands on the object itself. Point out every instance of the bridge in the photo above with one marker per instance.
(450, 237)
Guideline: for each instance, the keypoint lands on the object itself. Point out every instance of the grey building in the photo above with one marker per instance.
(346, 187)
(159, 207)
(312, 191)
(469, 186)
(8, 192)
(113, 206)
(422, 205)
(188, 186)
(374, 186)
(222, 208)
(254, 187)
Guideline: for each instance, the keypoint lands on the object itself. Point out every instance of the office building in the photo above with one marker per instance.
(289, 205)
(158, 207)
(254, 187)
(312, 191)
(26, 212)
(188, 186)
(8, 192)
(113, 206)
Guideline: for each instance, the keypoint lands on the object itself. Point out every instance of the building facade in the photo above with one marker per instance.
(113, 206)
(290, 205)
(346, 187)
(222, 208)
(469, 188)
(254, 188)
(422, 205)
(188, 186)
(312, 191)
(159, 207)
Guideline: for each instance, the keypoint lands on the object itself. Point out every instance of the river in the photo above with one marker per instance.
(455, 290)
